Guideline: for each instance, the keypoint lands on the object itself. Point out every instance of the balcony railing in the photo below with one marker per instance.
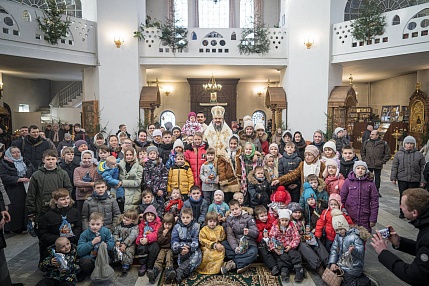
(212, 43)
(18, 26)
(404, 27)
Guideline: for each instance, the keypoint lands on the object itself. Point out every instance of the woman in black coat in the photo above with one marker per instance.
(14, 172)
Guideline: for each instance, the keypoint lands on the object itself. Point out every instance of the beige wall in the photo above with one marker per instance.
(248, 101)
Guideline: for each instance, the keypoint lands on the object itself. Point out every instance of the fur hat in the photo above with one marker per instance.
(152, 148)
(259, 125)
(308, 192)
(338, 129)
(339, 221)
(331, 145)
(284, 213)
(313, 150)
(409, 139)
(337, 198)
(178, 143)
(294, 207)
(192, 114)
(280, 196)
(156, 132)
(218, 192)
(274, 145)
(288, 133)
(360, 163)
(331, 162)
(80, 142)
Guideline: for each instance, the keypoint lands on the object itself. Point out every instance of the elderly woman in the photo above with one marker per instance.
(15, 172)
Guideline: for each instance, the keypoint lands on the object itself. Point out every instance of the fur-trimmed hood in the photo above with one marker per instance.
(252, 179)
(243, 137)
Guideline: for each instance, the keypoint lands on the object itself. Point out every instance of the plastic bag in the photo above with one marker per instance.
(117, 254)
(243, 245)
(61, 260)
(32, 228)
(277, 244)
(65, 228)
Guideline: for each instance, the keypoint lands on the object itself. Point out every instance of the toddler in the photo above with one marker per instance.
(147, 240)
(148, 199)
(125, 235)
(280, 199)
(348, 158)
(90, 240)
(208, 176)
(155, 175)
(219, 206)
(333, 179)
(213, 252)
(269, 166)
(180, 176)
(264, 222)
(360, 197)
(109, 171)
(191, 126)
(317, 185)
(60, 265)
(174, 204)
(164, 241)
(197, 204)
(178, 147)
(284, 239)
(195, 154)
(259, 187)
(184, 242)
(289, 162)
(330, 152)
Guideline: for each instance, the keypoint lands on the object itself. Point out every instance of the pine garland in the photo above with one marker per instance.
(254, 40)
(52, 24)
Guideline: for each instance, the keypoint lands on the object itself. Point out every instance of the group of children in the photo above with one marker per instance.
(206, 208)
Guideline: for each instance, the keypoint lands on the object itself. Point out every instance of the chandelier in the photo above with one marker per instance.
(212, 86)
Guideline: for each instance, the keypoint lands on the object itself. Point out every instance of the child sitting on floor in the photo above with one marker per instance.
(174, 204)
(219, 206)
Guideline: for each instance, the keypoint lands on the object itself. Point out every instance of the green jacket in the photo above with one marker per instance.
(43, 182)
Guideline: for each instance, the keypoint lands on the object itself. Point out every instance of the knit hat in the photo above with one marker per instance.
(288, 133)
(247, 122)
(178, 143)
(157, 132)
(312, 149)
(259, 125)
(280, 196)
(330, 162)
(337, 198)
(294, 207)
(192, 114)
(152, 148)
(284, 213)
(360, 163)
(339, 221)
(274, 145)
(338, 129)
(218, 192)
(308, 192)
(67, 136)
(409, 139)
(331, 145)
(80, 142)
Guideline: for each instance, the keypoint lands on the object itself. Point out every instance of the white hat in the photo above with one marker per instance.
(284, 213)
(157, 132)
(218, 111)
(338, 129)
(178, 143)
(259, 125)
(247, 123)
(338, 220)
(330, 144)
(409, 139)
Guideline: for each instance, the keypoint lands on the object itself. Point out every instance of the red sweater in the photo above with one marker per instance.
(264, 225)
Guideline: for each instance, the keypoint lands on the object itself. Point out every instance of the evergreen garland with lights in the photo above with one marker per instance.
(370, 22)
(52, 24)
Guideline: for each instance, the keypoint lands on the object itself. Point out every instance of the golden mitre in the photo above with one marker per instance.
(218, 111)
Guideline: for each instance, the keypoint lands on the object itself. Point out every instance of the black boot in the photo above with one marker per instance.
(152, 275)
(170, 275)
(299, 273)
(275, 270)
(285, 274)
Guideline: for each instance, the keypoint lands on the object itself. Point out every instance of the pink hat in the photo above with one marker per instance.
(337, 198)
(191, 114)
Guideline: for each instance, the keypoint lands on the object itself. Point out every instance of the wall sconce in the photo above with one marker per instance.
(309, 43)
(118, 41)
(1, 89)
(167, 92)
(259, 93)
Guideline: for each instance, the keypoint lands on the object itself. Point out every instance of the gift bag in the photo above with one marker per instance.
(243, 245)
(333, 278)
(102, 270)
(32, 228)
(65, 228)
(61, 260)
(277, 244)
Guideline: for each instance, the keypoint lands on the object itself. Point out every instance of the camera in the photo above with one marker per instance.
(385, 232)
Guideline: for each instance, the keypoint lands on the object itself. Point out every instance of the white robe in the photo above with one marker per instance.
(217, 140)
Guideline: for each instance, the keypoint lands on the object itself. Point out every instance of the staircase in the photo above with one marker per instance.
(70, 96)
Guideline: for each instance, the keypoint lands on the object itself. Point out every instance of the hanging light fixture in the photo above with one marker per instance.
(212, 86)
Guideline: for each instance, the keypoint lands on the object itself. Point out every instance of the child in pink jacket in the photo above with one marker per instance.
(333, 179)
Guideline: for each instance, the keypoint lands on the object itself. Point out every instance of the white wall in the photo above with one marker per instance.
(67, 115)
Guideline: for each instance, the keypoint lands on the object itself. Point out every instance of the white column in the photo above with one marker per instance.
(310, 77)
(115, 81)
(89, 10)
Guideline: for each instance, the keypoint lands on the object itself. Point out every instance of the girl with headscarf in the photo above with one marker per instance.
(15, 172)
(300, 144)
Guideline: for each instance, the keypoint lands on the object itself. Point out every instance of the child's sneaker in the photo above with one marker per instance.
(230, 265)
(142, 270)
(243, 269)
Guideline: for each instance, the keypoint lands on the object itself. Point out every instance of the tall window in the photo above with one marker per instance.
(246, 13)
(213, 14)
(181, 12)
(258, 116)
(167, 116)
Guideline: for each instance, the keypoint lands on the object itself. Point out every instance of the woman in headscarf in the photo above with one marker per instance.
(300, 144)
(15, 172)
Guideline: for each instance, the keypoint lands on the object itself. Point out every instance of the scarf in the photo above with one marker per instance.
(100, 197)
(250, 157)
(313, 168)
(20, 166)
(171, 203)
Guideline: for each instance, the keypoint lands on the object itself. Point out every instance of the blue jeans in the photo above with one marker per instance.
(241, 260)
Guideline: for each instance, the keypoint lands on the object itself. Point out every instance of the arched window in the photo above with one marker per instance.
(73, 7)
(26, 16)
(259, 116)
(167, 116)
(396, 20)
(353, 7)
(213, 14)
(181, 12)
(246, 13)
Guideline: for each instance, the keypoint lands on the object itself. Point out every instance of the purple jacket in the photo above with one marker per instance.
(360, 198)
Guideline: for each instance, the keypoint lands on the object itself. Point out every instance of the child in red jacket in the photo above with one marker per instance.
(147, 239)
(195, 154)
(325, 221)
(264, 222)
(280, 199)
(333, 179)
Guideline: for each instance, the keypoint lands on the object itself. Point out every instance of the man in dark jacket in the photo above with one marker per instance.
(375, 153)
(32, 146)
(366, 134)
(415, 205)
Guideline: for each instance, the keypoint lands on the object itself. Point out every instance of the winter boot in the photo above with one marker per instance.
(285, 274)
(299, 273)
(170, 274)
(275, 270)
(179, 276)
(142, 270)
(230, 265)
(125, 268)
